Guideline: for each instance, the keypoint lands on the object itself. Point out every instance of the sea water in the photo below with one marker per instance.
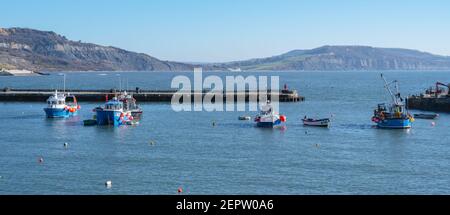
(168, 149)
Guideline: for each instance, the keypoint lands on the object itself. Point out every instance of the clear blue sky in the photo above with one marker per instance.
(215, 31)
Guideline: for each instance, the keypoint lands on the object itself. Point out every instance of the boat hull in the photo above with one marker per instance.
(268, 124)
(394, 123)
(317, 123)
(109, 117)
(58, 113)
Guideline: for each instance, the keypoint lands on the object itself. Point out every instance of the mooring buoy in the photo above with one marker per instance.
(66, 145)
(108, 184)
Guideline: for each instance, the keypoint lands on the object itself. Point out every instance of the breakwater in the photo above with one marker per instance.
(40, 95)
(440, 104)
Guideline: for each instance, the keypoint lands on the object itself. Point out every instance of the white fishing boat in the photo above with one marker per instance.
(268, 118)
(58, 107)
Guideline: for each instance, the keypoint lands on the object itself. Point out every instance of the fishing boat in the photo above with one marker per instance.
(325, 122)
(394, 115)
(268, 118)
(129, 104)
(58, 107)
(426, 116)
(113, 113)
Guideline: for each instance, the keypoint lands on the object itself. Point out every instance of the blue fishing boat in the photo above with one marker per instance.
(58, 107)
(394, 115)
(113, 114)
(267, 118)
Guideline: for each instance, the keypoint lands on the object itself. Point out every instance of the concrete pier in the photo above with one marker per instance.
(41, 95)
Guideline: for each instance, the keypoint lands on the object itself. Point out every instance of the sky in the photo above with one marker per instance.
(228, 30)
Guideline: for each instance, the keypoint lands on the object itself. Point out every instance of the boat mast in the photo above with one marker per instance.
(120, 84)
(64, 88)
(386, 85)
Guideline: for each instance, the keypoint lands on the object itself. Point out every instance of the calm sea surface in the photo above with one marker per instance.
(233, 157)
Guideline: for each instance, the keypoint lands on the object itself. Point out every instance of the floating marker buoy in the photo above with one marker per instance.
(41, 160)
(151, 142)
(66, 145)
(317, 145)
(433, 123)
(213, 123)
(108, 184)
(180, 190)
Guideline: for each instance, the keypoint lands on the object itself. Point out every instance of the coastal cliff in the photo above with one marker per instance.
(23, 48)
(347, 58)
(29, 49)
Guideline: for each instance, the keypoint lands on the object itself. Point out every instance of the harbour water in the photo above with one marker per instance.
(232, 157)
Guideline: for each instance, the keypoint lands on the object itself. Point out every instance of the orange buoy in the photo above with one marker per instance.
(283, 118)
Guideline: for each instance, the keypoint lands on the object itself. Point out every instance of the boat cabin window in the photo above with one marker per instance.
(114, 106)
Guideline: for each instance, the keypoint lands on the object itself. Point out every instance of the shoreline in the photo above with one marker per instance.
(40, 73)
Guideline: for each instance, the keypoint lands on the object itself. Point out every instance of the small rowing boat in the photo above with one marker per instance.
(325, 122)
(426, 116)
(244, 118)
